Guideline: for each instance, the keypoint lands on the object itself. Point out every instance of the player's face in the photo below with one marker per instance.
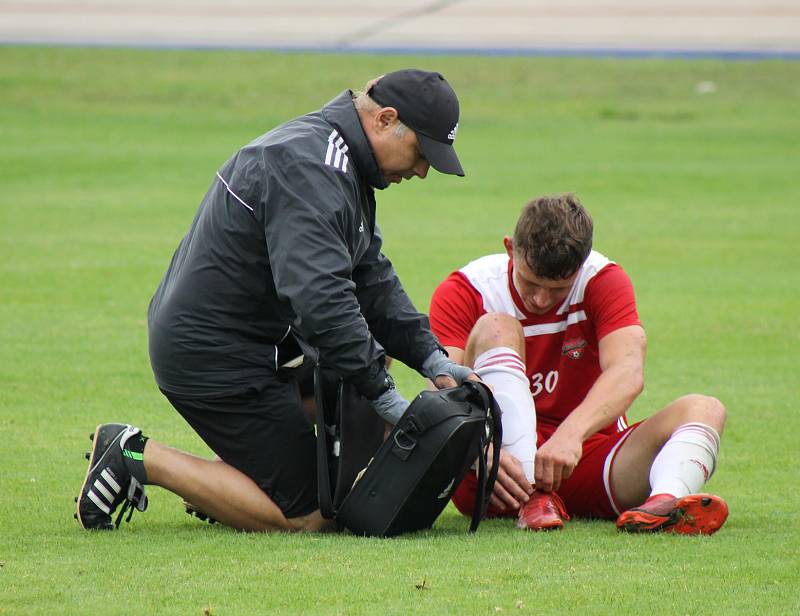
(540, 295)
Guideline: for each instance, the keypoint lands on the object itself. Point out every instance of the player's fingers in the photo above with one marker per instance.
(499, 500)
(516, 490)
(496, 503)
(501, 490)
(561, 470)
(556, 479)
(522, 487)
(544, 479)
(538, 465)
(505, 481)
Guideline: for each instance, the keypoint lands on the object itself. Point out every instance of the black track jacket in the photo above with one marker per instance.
(286, 236)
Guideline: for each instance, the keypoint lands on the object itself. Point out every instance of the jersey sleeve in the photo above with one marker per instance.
(455, 308)
(610, 302)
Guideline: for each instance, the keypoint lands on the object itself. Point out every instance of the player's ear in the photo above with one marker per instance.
(509, 244)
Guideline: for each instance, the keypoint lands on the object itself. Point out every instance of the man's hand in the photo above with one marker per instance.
(444, 372)
(512, 488)
(445, 382)
(555, 460)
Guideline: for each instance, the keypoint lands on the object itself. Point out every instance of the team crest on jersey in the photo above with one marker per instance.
(574, 348)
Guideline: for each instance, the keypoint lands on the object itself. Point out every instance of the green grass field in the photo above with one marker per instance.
(104, 156)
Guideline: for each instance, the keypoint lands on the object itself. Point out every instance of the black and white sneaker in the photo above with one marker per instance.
(108, 482)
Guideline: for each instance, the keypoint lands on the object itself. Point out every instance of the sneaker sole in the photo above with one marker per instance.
(696, 514)
(95, 438)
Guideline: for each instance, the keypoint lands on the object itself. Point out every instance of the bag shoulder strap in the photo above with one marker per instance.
(486, 484)
(323, 472)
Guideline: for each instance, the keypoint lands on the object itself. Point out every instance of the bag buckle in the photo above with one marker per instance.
(403, 444)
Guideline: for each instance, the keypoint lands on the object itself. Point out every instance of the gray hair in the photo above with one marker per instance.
(364, 102)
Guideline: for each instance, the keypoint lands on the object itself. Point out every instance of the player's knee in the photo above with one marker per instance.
(715, 412)
(495, 329)
(703, 409)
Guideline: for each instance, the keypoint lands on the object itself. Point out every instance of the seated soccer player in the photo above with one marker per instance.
(552, 326)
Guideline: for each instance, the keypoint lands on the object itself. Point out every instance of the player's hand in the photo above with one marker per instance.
(555, 461)
(512, 488)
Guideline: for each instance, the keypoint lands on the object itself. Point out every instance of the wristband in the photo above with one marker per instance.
(438, 364)
(390, 405)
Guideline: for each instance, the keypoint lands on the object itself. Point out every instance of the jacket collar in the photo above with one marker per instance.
(342, 114)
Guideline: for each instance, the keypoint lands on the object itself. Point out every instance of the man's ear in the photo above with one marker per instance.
(386, 118)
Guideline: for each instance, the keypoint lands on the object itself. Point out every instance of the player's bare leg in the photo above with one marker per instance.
(496, 351)
(494, 330)
(221, 491)
(665, 462)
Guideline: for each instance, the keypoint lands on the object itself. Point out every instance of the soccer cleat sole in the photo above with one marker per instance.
(696, 514)
(542, 529)
(90, 456)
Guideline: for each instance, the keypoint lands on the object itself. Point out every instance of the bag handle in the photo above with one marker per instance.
(427, 417)
(486, 484)
(323, 473)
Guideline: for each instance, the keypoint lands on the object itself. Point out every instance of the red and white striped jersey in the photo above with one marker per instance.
(561, 346)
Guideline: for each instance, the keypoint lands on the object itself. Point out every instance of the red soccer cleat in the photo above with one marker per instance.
(696, 514)
(543, 511)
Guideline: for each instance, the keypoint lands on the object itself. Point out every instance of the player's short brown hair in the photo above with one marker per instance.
(554, 236)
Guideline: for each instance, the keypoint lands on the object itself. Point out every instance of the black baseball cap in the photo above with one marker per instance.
(425, 103)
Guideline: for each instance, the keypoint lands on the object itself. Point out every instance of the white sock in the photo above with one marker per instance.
(504, 370)
(686, 461)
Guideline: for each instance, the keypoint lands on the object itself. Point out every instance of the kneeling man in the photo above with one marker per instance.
(552, 326)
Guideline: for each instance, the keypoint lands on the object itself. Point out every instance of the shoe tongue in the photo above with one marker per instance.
(126, 435)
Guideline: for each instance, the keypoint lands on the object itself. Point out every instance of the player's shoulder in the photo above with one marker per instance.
(595, 263)
(454, 284)
(473, 279)
(488, 269)
(594, 268)
(603, 273)
(488, 276)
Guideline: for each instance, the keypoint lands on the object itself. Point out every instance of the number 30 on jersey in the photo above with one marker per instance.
(541, 382)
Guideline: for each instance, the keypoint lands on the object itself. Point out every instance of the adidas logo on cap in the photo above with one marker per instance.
(452, 134)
